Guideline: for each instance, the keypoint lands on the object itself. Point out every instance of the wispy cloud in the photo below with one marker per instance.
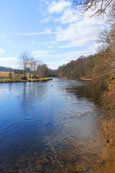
(10, 62)
(73, 55)
(69, 16)
(47, 19)
(1, 52)
(57, 7)
(34, 33)
(46, 32)
(79, 30)
(80, 33)
(4, 37)
(40, 53)
(46, 54)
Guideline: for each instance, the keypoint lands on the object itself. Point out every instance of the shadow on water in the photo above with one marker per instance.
(88, 90)
(45, 128)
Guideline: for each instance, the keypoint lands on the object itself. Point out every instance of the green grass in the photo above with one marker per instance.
(113, 80)
(38, 80)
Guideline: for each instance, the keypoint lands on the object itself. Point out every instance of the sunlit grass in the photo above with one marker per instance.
(39, 79)
(5, 78)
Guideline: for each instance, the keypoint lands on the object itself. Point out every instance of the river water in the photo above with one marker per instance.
(48, 127)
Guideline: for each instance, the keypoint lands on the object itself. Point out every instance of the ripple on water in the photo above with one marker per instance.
(46, 127)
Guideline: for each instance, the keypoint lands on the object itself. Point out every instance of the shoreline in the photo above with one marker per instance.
(24, 81)
(81, 78)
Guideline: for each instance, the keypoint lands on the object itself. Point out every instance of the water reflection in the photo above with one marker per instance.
(88, 90)
(44, 127)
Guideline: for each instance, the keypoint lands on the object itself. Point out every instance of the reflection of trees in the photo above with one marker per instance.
(10, 87)
(36, 104)
(88, 91)
(4, 88)
(32, 91)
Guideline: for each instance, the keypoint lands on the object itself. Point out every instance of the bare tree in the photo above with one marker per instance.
(99, 6)
(111, 17)
(108, 38)
(33, 65)
(24, 63)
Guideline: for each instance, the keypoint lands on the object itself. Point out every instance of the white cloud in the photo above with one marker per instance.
(82, 29)
(40, 53)
(4, 37)
(76, 54)
(1, 52)
(80, 33)
(47, 31)
(9, 62)
(46, 54)
(58, 7)
(73, 55)
(69, 16)
(47, 19)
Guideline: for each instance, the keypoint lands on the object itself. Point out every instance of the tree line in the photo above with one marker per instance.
(34, 68)
(101, 66)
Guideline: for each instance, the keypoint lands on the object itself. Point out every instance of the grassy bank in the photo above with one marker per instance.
(7, 80)
(7, 77)
(80, 78)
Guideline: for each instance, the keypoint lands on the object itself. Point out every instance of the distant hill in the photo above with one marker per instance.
(6, 69)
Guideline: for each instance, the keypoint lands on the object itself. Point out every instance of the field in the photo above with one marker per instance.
(10, 77)
(4, 74)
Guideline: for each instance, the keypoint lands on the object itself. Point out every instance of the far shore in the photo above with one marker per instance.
(80, 78)
(21, 80)
(86, 78)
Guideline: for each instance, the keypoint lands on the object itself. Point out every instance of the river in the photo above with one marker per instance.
(49, 127)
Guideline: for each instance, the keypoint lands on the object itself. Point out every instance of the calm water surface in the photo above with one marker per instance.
(48, 127)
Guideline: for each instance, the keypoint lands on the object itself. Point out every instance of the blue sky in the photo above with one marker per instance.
(53, 32)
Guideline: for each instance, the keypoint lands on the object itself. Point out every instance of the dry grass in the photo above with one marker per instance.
(85, 78)
(107, 123)
(5, 78)
(4, 74)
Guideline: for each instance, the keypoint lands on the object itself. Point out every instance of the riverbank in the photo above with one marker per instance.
(107, 124)
(12, 77)
(80, 78)
(6, 80)
(85, 78)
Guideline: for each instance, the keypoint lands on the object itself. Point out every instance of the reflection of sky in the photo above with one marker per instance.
(34, 114)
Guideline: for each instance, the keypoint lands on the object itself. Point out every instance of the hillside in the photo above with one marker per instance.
(8, 69)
